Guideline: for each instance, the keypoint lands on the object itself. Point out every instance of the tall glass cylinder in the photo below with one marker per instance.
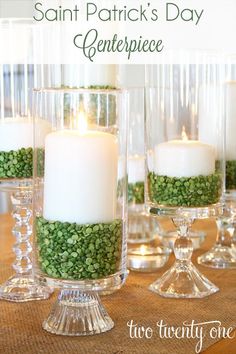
(139, 221)
(143, 228)
(185, 175)
(80, 203)
(223, 254)
(230, 108)
(16, 153)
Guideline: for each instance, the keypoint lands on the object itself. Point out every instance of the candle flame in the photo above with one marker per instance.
(184, 134)
(82, 123)
(143, 250)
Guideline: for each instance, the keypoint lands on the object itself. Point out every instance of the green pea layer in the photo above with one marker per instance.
(186, 191)
(231, 174)
(74, 252)
(16, 164)
(136, 192)
(19, 163)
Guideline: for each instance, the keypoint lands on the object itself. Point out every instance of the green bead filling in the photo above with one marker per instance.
(16, 164)
(19, 163)
(185, 191)
(136, 192)
(231, 174)
(40, 156)
(73, 251)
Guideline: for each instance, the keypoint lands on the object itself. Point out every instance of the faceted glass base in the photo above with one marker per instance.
(104, 286)
(219, 257)
(77, 313)
(183, 280)
(22, 288)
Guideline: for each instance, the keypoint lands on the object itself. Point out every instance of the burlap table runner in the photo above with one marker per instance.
(20, 324)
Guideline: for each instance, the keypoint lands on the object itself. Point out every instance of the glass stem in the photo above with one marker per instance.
(223, 237)
(22, 230)
(183, 246)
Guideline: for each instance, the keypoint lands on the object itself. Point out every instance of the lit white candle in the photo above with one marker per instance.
(80, 176)
(147, 258)
(17, 133)
(150, 160)
(136, 169)
(184, 158)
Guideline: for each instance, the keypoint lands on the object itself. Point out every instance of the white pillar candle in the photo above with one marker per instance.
(17, 133)
(230, 120)
(80, 177)
(89, 75)
(184, 158)
(136, 168)
(150, 160)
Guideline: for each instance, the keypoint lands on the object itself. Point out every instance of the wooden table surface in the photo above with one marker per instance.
(225, 346)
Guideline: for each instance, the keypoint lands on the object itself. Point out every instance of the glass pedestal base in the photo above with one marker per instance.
(78, 313)
(219, 257)
(183, 280)
(21, 288)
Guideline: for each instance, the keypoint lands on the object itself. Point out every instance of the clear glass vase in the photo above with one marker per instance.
(16, 155)
(143, 228)
(185, 177)
(80, 204)
(222, 254)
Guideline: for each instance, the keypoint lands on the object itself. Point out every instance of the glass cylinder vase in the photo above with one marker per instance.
(80, 204)
(185, 172)
(16, 153)
(144, 250)
(223, 255)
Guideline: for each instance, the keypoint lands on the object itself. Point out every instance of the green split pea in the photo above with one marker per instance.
(186, 191)
(16, 164)
(19, 163)
(231, 174)
(75, 252)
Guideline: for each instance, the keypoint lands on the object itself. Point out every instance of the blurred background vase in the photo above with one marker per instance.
(144, 250)
(223, 253)
(16, 154)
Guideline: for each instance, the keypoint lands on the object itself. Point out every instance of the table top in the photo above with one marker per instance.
(20, 324)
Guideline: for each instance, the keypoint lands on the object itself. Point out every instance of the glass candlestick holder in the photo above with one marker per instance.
(22, 286)
(183, 182)
(16, 158)
(80, 205)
